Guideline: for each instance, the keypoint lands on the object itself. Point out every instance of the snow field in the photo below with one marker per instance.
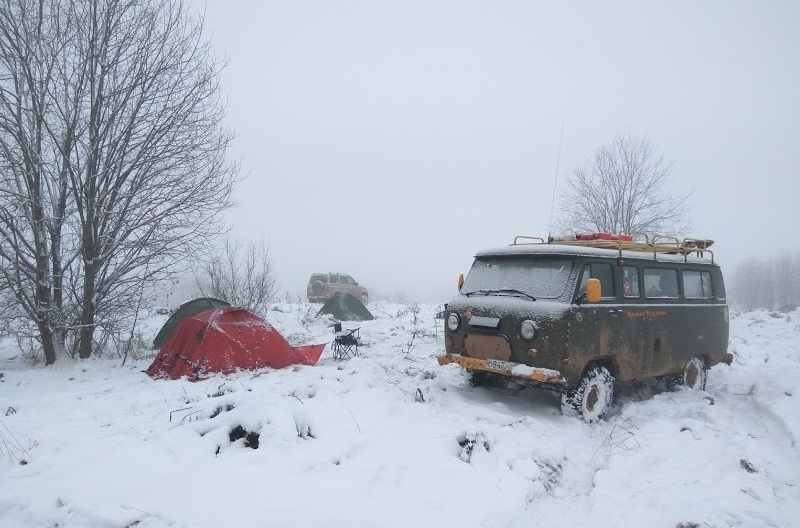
(393, 439)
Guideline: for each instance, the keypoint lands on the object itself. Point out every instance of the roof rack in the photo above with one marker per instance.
(642, 242)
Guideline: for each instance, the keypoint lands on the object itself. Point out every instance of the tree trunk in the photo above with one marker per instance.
(87, 317)
(86, 334)
(48, 344)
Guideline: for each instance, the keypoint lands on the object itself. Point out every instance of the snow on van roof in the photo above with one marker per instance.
(583, 251)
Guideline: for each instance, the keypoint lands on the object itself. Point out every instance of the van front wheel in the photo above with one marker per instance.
(591, 399)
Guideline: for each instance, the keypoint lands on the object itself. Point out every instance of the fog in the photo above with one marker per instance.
(392, 140)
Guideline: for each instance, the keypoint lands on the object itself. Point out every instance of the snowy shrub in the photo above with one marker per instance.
(118, 340)
(550, 473)
(31, 351)
(219, 410)
(303, 425)
(471, 444)
(10, 446)
(242, 274)
(307, 315)
(250, 437)
(617, 440)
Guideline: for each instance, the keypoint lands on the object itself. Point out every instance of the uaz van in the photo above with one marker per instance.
(574, 313)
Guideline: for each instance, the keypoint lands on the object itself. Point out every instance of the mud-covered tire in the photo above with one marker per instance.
(591, 399)
(695, 373)
(693, 377)
(317, 288)
(673, 381)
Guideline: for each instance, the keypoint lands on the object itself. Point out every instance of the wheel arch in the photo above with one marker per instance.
(573, 374)
(608, 362)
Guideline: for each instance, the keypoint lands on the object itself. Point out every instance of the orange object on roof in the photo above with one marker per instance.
(603, 236)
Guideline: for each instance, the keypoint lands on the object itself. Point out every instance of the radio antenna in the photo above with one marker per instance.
(555, 182)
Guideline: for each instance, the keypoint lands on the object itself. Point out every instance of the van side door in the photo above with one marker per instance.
(664, 319)
(637, 360)
(597, 329)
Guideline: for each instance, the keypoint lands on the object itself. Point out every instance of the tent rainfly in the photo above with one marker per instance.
(346, 307)
(193, 307)
(225, 340)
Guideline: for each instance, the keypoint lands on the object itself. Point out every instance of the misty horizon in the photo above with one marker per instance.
(392, 141)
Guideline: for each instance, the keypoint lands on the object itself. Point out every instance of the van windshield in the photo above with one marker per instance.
(539, 278)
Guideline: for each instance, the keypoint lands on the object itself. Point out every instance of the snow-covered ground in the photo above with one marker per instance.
(391, 439)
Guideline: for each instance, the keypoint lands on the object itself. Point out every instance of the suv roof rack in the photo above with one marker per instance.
(642, 242)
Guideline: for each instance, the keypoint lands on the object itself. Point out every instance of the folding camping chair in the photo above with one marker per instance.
(345, 344)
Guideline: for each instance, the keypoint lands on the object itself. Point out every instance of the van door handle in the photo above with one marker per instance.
(615, 312)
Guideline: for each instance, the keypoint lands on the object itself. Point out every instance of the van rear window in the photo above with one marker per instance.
(540, 278)
(660, 283)
(697, 285)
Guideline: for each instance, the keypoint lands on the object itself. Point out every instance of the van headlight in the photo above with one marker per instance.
(453, 322)
(527, 330)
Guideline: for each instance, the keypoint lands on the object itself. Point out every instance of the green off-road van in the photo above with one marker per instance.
(575, 313)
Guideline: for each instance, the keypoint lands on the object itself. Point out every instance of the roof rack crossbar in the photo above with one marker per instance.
(664, 244)
(539, 240)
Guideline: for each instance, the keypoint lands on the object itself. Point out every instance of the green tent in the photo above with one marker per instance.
(345, 307)
(187, 309)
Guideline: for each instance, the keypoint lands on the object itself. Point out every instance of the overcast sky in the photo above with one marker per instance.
(392, 140)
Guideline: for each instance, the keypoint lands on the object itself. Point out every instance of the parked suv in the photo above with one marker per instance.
(322, 286)
(574, 315)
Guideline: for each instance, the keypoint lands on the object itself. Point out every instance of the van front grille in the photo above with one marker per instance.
(487, 347)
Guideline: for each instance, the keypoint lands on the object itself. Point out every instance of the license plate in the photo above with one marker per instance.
(498, 365)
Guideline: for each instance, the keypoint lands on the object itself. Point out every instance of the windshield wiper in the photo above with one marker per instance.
(479, 292)
(517, 292)
(502, 290)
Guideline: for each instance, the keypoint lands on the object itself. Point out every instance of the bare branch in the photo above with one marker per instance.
(623, 188)
(113, 153)
(243, 280)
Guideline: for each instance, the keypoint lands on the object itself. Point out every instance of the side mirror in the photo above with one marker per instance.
(460, 281)
(593, 290)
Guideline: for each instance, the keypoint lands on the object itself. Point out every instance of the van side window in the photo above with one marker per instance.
(603, 273)
(697, 284)
(660, 283)
(630, 281)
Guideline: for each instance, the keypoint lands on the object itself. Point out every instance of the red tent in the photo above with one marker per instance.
(225, 340)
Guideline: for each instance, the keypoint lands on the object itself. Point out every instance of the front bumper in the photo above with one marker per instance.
(505, 368)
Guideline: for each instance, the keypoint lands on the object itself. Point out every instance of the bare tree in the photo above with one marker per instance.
(33, 201)
(242, 276)
(623, 188)
(111, 138)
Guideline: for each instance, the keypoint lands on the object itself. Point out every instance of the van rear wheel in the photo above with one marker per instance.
(693, 377)
(591, 399)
